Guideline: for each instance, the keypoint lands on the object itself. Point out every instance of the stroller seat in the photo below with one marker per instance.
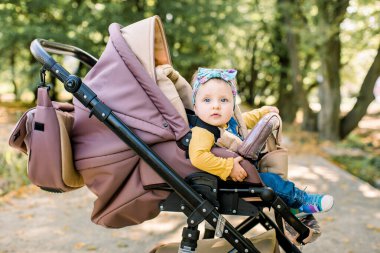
(146, 111)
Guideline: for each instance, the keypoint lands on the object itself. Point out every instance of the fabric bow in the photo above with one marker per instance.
(204, 75)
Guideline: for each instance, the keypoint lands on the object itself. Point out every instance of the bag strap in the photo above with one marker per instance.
(43, 98)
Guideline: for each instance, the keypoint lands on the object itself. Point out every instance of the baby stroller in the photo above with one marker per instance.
(131, 154)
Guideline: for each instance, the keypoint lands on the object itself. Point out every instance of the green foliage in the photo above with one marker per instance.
(359, 141)
(198, 32)
(12, 170)
(360, 157)
(354, 141)
(364, 167)
(250, 36)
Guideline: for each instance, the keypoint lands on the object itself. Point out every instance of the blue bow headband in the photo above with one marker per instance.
(204, 75)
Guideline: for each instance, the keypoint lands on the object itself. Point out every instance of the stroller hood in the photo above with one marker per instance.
(109, 167)
(122, 82)
(147, 40)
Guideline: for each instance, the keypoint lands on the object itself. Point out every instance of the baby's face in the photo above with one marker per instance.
(214, 102)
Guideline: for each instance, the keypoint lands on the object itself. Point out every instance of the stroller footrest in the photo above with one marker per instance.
(283, 210)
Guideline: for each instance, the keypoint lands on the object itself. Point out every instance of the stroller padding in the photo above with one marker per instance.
(265, 242)
(167, 78)
(147, 40)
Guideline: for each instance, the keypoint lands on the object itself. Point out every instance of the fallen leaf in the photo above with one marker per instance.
(328, 219)
(26, 216)
(122, 245)
(79, 245)
(373, 227)
(91, 248)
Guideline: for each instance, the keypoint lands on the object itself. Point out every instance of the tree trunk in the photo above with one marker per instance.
(330, 16)
(254, 76)
(286, 101)
(329, 90)
(288, 109)
(365, 97)
(13, 75)
(308, 122)
(288, 11)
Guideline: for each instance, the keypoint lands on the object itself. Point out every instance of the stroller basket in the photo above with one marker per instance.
(183, 198)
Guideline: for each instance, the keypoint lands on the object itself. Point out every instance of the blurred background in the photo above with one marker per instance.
(318, 61)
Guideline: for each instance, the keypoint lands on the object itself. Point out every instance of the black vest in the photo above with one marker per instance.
(193, 122)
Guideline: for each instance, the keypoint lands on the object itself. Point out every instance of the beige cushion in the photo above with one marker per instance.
(181, 85)
(167, 87)
(229, 140)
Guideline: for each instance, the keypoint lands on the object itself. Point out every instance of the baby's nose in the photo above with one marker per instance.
(216, 104)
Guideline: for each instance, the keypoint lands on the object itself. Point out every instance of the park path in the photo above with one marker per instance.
(35, 221)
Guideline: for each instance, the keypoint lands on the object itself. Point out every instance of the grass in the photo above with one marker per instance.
(12, 171)
(366, 168)
(361, 157)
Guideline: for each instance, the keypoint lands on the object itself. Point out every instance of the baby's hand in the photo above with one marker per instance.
(237, 172)
(271, 108)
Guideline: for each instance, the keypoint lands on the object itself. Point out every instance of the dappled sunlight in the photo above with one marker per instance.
(298, 171)
(368, 191)
(174, 235)
(166, 225)
(305, 177)
(34, 232)
(322, 177)
(326, 173)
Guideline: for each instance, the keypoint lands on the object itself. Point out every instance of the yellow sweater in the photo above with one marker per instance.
(202, 141)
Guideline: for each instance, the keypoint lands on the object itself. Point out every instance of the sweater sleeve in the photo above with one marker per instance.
(251, 118)
(201, 157)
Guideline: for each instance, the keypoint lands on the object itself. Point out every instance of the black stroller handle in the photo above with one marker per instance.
(41, 47)
(72, 83)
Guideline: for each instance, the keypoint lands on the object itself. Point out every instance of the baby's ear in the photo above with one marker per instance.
(195, 109)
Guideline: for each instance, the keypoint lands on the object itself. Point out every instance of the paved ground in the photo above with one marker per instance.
(36, 221)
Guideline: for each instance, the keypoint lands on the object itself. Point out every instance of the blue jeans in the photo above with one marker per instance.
(286, 190)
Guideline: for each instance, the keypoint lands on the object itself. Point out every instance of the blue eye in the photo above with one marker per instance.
(207, 100)
(224, 100)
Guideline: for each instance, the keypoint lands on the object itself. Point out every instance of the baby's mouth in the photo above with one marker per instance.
(215, 115)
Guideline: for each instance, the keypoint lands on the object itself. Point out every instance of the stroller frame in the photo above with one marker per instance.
(183, 197)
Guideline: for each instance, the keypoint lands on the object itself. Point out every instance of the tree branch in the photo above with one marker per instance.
(365, 97)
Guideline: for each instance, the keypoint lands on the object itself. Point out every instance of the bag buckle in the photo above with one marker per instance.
(43, 80)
